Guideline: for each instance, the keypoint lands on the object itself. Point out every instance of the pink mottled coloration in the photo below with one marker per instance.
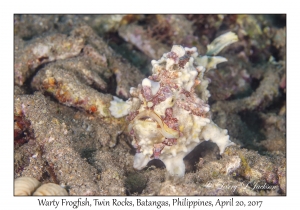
(190, 102)
(132, 115)
(173, 56)
(154, 77)
(157, 148)
(171, 121)
(162, 94)
(166, 76)
(146, 91)
(170, 141)
(183, 60)
(169, 112)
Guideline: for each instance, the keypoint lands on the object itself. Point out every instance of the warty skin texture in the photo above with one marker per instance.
(167, 119)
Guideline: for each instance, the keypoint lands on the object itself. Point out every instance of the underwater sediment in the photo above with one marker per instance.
(69, 69)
